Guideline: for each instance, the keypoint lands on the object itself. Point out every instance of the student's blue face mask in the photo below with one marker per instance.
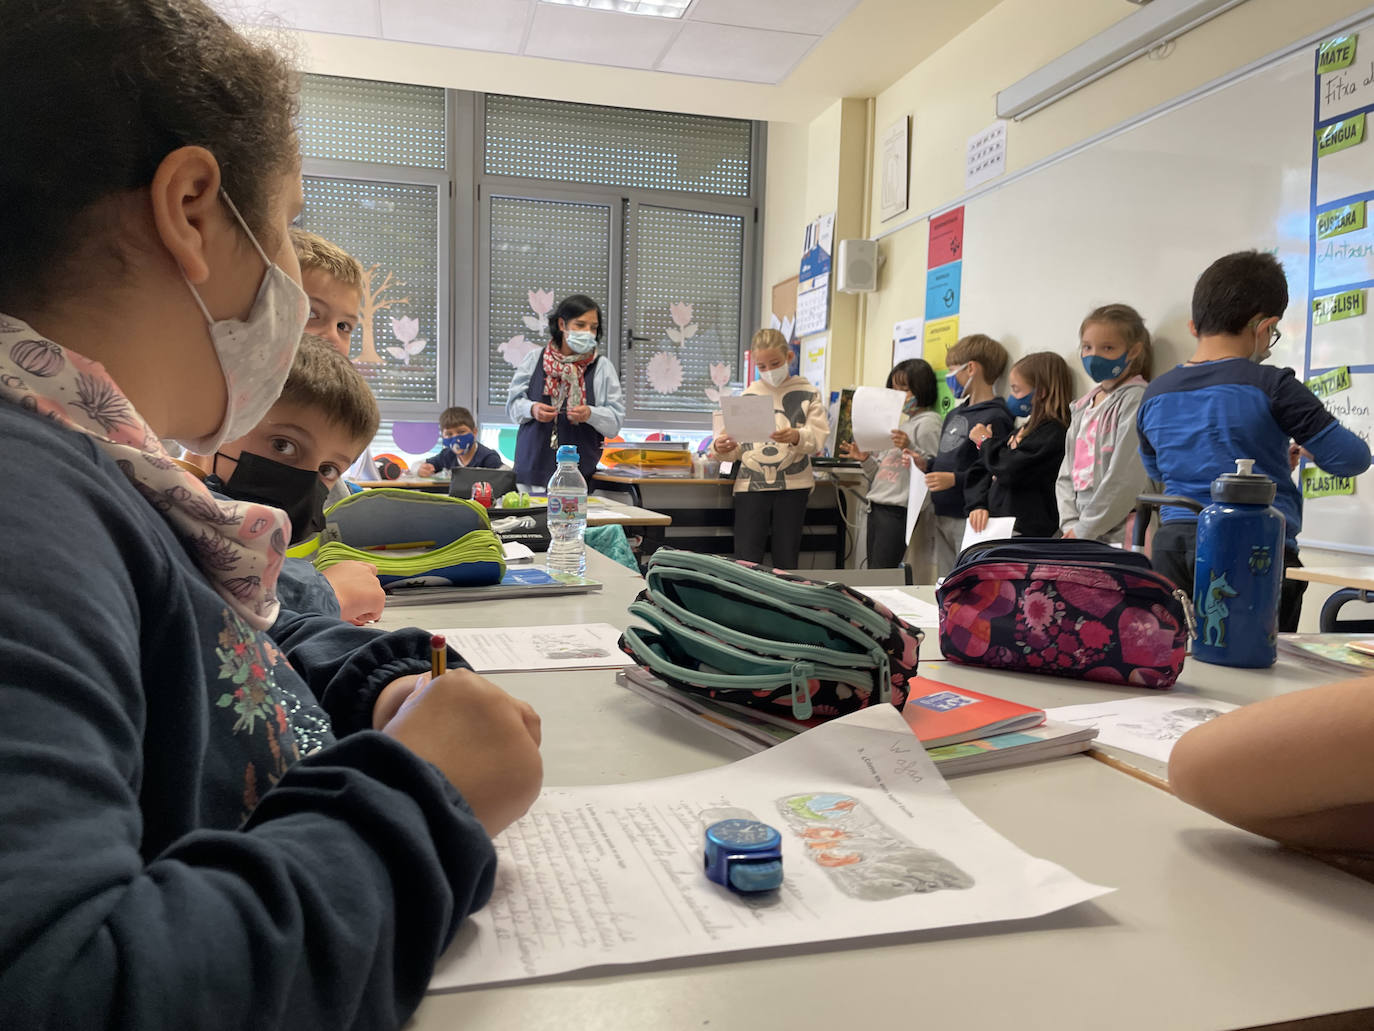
(1020, 406)
(460, 442)
(1101, 369)
(952, 380)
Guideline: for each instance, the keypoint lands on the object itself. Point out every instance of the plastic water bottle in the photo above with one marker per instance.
(1239, 571)
(567, 515)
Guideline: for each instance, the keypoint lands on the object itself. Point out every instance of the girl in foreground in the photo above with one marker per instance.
(216, 813)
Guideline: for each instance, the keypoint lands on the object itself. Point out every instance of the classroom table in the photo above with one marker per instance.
(702, 512)
(600, 511)
(1355, 583)
(1210, 927)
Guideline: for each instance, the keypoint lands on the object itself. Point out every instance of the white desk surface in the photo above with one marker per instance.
(1209, 928)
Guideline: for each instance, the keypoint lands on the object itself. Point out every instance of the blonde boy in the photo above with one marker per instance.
(325, 417)
(333, 280)
(974, 364)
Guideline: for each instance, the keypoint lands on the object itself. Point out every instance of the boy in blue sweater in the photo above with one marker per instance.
(461, 448)
(1222, 404)
(206, 822)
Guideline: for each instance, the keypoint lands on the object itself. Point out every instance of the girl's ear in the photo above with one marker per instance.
(186, 210)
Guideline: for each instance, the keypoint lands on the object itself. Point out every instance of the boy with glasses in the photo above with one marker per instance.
(1198, 418)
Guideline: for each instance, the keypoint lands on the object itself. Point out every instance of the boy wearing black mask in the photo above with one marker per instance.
(325, 417)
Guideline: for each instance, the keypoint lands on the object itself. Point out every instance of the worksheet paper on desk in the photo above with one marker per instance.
(749, 418)
(876, 413)
(999, 528)
(899, 603)
(514, 649)
(1147, 726)
(873, 843)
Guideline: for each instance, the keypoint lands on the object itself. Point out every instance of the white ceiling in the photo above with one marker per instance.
(759, 41)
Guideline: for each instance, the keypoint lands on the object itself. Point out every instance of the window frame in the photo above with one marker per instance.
(462, 261)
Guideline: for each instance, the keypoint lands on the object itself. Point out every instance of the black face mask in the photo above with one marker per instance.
(298, 492)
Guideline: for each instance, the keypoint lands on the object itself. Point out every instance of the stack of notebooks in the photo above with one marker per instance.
(1336, 653)
(962, 730)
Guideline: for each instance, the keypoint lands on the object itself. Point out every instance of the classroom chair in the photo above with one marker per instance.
(1331, 623)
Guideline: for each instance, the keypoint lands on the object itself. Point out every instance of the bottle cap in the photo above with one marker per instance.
(567, 453)
(1244, 486)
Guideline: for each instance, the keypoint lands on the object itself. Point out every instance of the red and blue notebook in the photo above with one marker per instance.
(939, 714)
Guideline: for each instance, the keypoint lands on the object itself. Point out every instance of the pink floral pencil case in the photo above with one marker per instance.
(1065, 608)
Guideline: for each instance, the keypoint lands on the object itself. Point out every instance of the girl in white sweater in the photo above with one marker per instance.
(774, 478)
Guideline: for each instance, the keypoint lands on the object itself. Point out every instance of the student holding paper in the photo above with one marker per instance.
(1015, 472)
(889, 475)
(774, 477)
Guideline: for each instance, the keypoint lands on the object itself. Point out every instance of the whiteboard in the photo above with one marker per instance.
(1138, 215)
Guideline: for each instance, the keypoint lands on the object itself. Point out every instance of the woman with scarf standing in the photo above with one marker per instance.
(565, 393)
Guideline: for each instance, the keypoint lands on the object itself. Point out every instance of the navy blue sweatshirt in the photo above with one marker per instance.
(165, 859)
(1196, 420)
(483, 458)
(958, 454)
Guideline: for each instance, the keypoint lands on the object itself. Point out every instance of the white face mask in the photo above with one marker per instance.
(580, 341)
(255, 354)
(774, 377)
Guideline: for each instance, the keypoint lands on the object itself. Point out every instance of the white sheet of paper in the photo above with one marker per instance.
(513, 649)
(906, 339)
(517, 552)
(612, 873)
(1148, 725)
(875, 414)
(916, 493)
(915, 611)
(998, 529)
(748, 418)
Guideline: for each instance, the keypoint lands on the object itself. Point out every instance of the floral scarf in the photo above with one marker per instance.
(238, 546)
(565, 377)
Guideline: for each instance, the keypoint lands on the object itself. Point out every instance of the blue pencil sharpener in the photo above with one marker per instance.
(744, 855)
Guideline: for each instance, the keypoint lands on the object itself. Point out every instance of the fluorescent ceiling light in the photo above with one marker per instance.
(1154, 24)
(654, 8)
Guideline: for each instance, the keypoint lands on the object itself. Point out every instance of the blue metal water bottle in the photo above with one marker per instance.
(1239, 571)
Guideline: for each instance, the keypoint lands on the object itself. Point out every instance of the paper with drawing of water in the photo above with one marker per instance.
(1148, 725)
(873, 843)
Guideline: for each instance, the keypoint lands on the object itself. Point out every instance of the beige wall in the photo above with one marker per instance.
(950, 96)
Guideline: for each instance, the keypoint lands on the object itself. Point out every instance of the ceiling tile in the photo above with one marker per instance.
(598, 37)
(341, 17)
(728, 52)
(812, 17)
(469, 24)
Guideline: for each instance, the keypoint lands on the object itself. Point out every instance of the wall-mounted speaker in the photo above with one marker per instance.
(856, 266)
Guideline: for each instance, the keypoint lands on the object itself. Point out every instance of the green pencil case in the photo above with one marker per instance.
(740, 633)
(414, 539)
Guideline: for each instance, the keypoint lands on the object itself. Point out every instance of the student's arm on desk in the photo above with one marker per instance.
(1297, 768)
(326, 908)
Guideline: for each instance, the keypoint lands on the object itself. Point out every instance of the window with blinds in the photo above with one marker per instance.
(616, 146)
(683, 296)
(393, 231)
(540, 251)
(384, 123)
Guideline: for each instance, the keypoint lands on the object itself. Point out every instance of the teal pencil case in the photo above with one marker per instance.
(414, 539)
(740, 633)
